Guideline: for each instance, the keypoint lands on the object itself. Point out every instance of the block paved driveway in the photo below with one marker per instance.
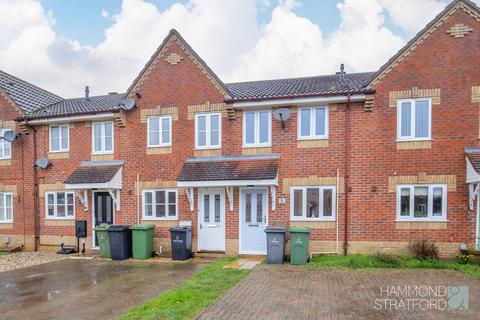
(85, 289)
(294, 292)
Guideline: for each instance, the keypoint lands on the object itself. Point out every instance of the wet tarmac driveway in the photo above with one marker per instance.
(85, 289)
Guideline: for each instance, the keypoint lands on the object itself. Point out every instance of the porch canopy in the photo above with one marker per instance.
(96, 175)
(228, 172)
(473, 173)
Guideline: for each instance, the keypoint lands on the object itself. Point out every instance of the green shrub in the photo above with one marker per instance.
(463, 259)
(423, 249)
(388, 259)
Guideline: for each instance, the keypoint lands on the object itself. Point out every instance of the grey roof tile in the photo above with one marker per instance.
(298, 87)
(253, 168)
(110, 102)
(92, 174)
(26, 96)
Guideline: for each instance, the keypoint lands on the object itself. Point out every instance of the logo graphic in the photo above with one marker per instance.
(457, 297)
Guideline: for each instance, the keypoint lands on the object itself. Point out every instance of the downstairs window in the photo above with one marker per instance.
(422, 202)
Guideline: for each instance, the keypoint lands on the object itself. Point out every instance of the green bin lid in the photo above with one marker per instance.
(142, 226)
(102, 227)
(300, 229)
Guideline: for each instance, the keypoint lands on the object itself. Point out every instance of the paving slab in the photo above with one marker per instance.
(298, 292)
(85, 289)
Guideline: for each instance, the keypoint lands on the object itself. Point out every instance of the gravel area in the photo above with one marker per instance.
(19, 260)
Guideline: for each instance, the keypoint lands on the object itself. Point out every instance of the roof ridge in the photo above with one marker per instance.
(298, 78)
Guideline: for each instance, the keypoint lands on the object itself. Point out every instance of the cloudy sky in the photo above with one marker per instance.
(64, 45)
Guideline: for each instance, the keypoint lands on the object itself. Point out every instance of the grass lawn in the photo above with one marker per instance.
(357, 261)
(194, 295)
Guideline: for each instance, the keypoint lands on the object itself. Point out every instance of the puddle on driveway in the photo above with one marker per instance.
(85, 289)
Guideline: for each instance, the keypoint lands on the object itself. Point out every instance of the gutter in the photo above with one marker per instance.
(69, 118)
(286, 101)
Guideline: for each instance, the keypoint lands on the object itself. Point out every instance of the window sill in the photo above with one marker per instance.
(312, 220)
(102, 153)
(60, 222)
(6, 222)
(58, 155)
(312, 138)
(308, 144)
(5, 162)
(421, 220)
(159, 150)
(6, 225)
(159, 219)
(61, 218)
(322, 224)
(59, 151)
(160, 146)
(413, 144)
(421, 225)
(210, 148)
(413, 140)
(251, 146)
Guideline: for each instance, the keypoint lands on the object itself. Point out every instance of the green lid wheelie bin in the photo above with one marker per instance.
(103, 240)
(299, 239)
(142, 241)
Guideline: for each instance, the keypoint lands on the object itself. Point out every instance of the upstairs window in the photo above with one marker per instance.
(414, 119)
(60, 205)
(257, 128)
(59, 138)
(313, 203)
(160, 131)
(160, 204)
(208, 131)
(102, 137)
(313, 123)
(6, 207)
(421, 202)
(5, 146)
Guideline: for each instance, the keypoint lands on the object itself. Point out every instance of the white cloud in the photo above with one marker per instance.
(226, 35)
(105, 14)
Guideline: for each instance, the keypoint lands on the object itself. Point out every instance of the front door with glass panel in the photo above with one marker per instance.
(102, 211)
(211, 219)
(253, 220)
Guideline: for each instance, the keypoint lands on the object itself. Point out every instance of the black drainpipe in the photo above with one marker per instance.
(347, 141)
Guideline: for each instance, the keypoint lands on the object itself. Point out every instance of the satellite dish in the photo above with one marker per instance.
(282, 114)
(127, 104)
(10, 136)
(42, 163)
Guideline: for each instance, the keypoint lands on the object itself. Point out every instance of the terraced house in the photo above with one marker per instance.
(368, 161)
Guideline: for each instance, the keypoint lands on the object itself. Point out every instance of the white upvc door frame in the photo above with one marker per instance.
(241, 215)
(93, 215)
(223, 216)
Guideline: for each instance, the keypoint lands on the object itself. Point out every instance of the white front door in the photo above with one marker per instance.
(253, 220)
(211, 219)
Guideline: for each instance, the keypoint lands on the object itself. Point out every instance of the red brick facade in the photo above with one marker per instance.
(440, 64)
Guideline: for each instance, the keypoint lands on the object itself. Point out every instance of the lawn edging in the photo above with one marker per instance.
(190, 298)
(365, 261)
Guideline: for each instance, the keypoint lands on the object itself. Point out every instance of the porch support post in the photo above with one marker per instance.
(116, 198)
(229, 191)
(273, 191)
(190, 195)
(472, 192)
(84, 199)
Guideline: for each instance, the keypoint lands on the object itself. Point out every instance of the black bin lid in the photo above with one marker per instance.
(118, 228)
(275, 229)
(180, 229)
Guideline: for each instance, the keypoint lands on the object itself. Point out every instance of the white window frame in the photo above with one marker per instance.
(257, 144)
(5, 143)
(154, 207)
(4, 195)
(430, 217)
(102, 137)
(160, 144)
(313, 122)
(55, 205)
(412, 120)
(321, 217)
(208, 130)
(60, 138)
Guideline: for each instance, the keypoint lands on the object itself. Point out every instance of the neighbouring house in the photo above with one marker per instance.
(368, 161)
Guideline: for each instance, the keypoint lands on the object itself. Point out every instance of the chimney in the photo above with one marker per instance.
(342, 72)
(87, 91)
